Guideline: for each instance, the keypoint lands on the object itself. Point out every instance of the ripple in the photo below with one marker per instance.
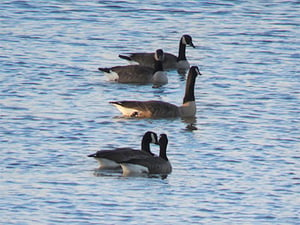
(55, 111)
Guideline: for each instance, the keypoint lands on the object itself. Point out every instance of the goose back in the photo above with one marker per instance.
(147, 109)
(160, 109)
(110, 159)
(147, 59)
(139, 73)
(129, 74)
(120, 154)
(170, 61)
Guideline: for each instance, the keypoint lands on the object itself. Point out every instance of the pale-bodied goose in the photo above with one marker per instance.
(170, 61)
(139, 73)
(160, 109)
(151, 164)
(109, 159)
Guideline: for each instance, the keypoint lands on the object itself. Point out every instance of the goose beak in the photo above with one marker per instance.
(192, 45)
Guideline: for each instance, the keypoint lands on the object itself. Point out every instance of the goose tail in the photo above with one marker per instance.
(125, 57)
(92, 155)
(115, 103)
(106, 70)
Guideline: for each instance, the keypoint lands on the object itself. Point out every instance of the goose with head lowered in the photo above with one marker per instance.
(110, 159)
(160, 109)
(150, 165)
(170, 61)
(139, 73)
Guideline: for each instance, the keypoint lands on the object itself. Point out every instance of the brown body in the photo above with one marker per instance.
(160, 109)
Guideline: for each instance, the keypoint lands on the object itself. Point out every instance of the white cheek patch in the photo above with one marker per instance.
(156, 56)
(153, 139)
(184, 41)
(159, 55)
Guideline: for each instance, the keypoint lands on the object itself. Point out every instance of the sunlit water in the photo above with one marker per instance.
(241, 165)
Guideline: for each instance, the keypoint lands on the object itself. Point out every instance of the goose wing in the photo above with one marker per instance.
(143, 58)
(147, 109)
(170, 61)
(147, 59)
(155, 165)
(121, 154)
(134, 74)
(129, 73)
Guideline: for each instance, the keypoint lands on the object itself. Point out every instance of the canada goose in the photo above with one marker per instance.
(109, 159)
(170, 61)
(160, 109)
(151, 164)
(139, 73)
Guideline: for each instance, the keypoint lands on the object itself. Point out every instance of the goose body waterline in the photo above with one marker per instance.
(110, 159)
(161, 109)
(139, 73)
(150, 165)
(170, 61)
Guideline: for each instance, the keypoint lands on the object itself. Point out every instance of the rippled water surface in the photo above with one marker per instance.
(241, 165)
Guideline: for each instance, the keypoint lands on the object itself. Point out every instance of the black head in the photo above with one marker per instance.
(187, 40)
(159, 55)
(163, 140)
(151, 137)
(195, 70)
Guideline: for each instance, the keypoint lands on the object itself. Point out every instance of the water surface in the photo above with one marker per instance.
(241, 165)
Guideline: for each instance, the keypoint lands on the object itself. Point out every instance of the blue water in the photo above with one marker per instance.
(241, 165)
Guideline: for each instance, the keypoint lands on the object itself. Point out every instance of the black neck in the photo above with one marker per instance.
(190, 87)
(163, 149)
(145, 145)
(181, 53)
(158, 66)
